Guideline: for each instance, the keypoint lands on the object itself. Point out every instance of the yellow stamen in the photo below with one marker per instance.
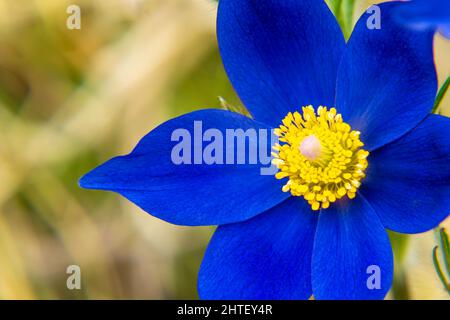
(320, 155)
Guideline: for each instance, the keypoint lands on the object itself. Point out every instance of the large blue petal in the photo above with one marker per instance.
(424, 14)
(280, 54)
(387, 80)
(351, 249)
(265, 258)
(408, 181)
(186, 194)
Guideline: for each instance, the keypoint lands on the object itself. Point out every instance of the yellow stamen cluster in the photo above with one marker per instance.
(339, 166)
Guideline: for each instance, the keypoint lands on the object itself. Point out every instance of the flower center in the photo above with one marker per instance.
(320, 155)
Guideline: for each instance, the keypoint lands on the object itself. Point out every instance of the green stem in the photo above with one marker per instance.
(440, 95)
(400, 289)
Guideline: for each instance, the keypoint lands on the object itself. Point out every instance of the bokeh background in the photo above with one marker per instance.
(71, 99)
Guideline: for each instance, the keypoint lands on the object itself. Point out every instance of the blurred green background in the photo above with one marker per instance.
(71, 99)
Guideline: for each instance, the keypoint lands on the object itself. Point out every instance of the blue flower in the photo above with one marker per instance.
(426, 14)
(376, 161)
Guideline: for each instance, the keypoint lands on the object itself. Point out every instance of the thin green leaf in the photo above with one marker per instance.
(438, 268)
(445, 248)
(440, 95)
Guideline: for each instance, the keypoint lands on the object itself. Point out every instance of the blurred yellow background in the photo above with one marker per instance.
(70, 100)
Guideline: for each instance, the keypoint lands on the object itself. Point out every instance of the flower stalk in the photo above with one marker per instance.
(400, 288)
